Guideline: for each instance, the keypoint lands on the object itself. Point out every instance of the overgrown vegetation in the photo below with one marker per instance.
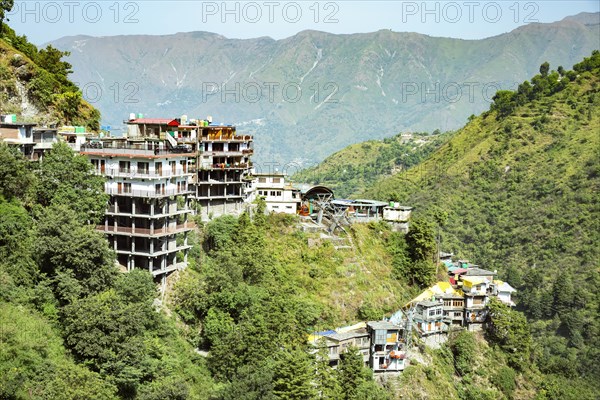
(40, 76)
(73, 327)
(351, 170)
(520, 187)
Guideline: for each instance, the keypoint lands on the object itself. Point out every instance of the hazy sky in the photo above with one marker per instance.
(43, 21)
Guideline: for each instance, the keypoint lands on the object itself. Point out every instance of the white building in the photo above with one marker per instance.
(279, 196)
(505, 292)
(147, 219)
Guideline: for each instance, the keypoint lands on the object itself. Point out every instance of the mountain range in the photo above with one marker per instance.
(311, 94)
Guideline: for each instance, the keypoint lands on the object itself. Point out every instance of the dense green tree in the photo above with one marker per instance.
(67, 104)
(293, 378)
(421, 239)
(351, 373)
(251, 382)
(15, 177)
(34, 364)
(67, 178)
(137, 286)
(509, 329)
(354, 378)
(504, 380)
(107, 333)
(5, 6)
(169, 388)
(50, 59)
(464, 348)
(216, 327)
(562, 294)
(220, 232)
(544, 69)
(76, 256)
(326, 381)
(16, 240)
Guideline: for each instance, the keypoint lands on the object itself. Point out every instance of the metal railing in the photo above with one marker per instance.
(144, 174)
(147, 193)
(142, 149)
(215, 138)
(129, 230)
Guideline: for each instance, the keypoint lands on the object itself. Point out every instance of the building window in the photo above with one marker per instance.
(143, 167)
(124, 166)
(272, 193)
(276, 180)
(278, 193)
(275, 206)
(289, 207)
(262, 180)
(127, 188)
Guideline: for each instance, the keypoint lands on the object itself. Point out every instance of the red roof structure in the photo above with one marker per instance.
(155, 121)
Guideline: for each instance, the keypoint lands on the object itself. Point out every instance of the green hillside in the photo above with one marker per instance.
(520, 187)
(353, 169)
(34, 84)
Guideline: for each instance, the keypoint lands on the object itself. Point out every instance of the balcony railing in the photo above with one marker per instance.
(147, 193)
(143, 174)
(223, 153)
(231, 166)
(128, 230)
(227, 138)
(141, 149)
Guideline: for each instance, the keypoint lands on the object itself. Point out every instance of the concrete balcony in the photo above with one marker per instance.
(131, 150)
(223, 153)
(227, 139)
(145, 252)
(146, 193)
(228, 166)
(170, 268)
(146, 232)
(141, 174)
(112, 211)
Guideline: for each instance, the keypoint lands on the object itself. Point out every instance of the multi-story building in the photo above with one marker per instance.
(339, 342)
(224, 169)
(280, 197)
(454, 305)
(388, 352)
(31, 140)
(148, 218)
(428, 318)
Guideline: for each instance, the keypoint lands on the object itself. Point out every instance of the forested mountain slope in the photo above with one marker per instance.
(351, 170)
(520, 186)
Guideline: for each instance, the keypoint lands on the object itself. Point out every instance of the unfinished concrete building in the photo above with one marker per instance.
(224, 169)
(148, 219)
